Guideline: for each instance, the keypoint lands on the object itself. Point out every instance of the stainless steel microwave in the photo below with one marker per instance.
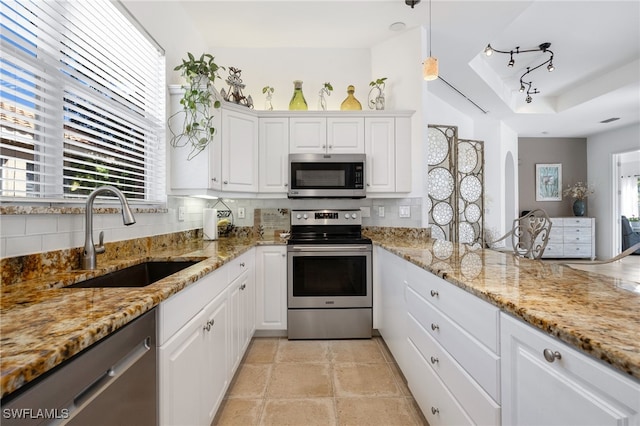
(327, 176)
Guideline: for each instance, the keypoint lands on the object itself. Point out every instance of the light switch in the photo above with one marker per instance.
(381, 211)
(181, 213)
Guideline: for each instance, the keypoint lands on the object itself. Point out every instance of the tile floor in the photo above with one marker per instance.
(318, 382)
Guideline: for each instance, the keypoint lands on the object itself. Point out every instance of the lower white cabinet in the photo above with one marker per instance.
(545, 382)
(203, 332)
(271, 288)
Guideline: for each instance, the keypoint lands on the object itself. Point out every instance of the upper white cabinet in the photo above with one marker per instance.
(249, 154)
(273, 153)
(331, 135)
(544, 381)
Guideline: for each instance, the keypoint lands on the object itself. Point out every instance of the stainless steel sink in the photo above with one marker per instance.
(140, 275)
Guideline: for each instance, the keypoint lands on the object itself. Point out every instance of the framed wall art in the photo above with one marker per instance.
(548, 182)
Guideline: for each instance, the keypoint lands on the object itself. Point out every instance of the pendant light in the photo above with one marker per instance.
(430, 65)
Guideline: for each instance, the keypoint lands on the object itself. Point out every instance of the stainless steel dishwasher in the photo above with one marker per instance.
(111, 383)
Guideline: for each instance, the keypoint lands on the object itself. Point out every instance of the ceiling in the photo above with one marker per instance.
(596, 47)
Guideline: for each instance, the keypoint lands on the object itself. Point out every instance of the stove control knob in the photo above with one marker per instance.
(354, 216)
(346, 215)
(298, 216)
(305, 217)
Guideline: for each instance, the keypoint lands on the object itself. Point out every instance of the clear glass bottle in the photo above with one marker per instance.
(350, 103)
(298, 103)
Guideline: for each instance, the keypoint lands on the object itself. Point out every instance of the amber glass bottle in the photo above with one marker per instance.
(350, 103)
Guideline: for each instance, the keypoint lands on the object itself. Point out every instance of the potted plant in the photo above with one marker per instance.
(376, 94)
(196, 128)
(326, 89)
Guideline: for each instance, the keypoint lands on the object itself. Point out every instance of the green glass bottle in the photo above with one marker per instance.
(298, 103)
(350, 103)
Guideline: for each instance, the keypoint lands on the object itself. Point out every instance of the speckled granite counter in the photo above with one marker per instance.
(596, 314)
(44, 324)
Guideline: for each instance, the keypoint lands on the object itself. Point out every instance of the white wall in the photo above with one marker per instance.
(601, 172)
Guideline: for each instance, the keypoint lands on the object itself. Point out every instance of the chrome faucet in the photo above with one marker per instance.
(91, 251)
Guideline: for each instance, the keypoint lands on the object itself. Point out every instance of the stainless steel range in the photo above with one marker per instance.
(329, 276)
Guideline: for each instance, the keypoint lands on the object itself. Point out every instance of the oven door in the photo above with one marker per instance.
(329, 276)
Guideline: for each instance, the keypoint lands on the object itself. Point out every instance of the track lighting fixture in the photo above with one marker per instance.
(525, 86)
(411, 3)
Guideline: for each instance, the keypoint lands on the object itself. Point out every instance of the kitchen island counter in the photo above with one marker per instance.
(596, 314)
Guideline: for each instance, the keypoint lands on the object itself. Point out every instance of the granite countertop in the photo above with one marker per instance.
(43, 324)
(596, 314)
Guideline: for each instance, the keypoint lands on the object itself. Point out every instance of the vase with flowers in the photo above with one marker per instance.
(579, 192)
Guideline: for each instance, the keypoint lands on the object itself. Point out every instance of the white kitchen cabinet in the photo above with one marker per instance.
(546, 382)
(330, 135)
(239, 151)
(391, 304)
(203, 332)
(271, 288)
(388, 149)
(273, 153)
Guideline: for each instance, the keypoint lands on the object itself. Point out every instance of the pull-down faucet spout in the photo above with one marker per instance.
(91, 251)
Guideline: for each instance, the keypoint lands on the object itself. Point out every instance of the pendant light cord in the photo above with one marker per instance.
(429, 28)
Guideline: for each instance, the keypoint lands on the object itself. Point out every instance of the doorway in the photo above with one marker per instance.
(626, 203)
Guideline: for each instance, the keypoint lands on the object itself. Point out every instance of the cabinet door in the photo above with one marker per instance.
(271, 288)
(235, 324)
(392, 304)
(380, 150)
(181, 361)
(214, 370)
(239, 152)
(571, 389)
(307, 135)
(345, 135)
(274, 154)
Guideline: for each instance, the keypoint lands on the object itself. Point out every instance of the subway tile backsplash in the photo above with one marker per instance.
(22, 234)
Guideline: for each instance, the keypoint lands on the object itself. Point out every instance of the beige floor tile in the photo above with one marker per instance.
(355, 351)
(239, 412)
(303, 351)
(358, 379)
(262, 350)
(300, 380)
(401, 381)
(375, 411)
(299, 412)
(250, 381)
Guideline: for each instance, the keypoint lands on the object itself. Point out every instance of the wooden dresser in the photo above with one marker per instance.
(572, 237)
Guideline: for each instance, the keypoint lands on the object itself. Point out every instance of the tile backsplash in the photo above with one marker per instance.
(24, 232)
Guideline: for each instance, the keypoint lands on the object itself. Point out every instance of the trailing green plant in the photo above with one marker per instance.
(196, 128)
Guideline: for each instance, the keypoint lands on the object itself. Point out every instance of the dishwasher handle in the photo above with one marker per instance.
(89, 393)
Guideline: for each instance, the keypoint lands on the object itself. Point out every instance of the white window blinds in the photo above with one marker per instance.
(82, 102)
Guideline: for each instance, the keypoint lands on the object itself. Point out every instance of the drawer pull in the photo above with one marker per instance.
(435, 411)
(242, 265)
(434, 360)
(209, 325)
(434, 293)
(435, 327)
(550, 355)
(243, 286)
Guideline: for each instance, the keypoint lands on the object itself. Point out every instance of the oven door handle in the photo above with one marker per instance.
(324, 247)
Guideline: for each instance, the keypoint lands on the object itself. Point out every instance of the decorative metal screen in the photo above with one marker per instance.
(455, 186)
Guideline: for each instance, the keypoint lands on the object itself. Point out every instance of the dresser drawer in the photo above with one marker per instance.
(436, 402)
(479, 403)
(554, 250)
(577, 221)
(477, 317)
(577, 235)
(577, 250)
(480, 362)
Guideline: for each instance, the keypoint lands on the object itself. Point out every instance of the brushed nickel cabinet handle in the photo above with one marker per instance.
(434, 293)
(434, 360)
(435, 327)
(550, 355)
(434, 411)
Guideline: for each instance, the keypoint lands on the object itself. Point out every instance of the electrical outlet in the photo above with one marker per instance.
(405, 211)
(240, 212)
(381, 211)
(181, 213)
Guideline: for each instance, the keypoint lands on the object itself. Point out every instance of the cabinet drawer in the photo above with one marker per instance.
(478, 404)
(242, 263)
(477, 317)
(577, 250)
(436, 402)
(481, 363)
(553, 250)
(577, 221)
(577, 235)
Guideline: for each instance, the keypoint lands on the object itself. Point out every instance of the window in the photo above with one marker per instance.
(82, 102)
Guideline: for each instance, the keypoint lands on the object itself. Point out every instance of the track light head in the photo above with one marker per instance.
(545, 46)
(488, 50)
(411, 3)
(511, 61)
